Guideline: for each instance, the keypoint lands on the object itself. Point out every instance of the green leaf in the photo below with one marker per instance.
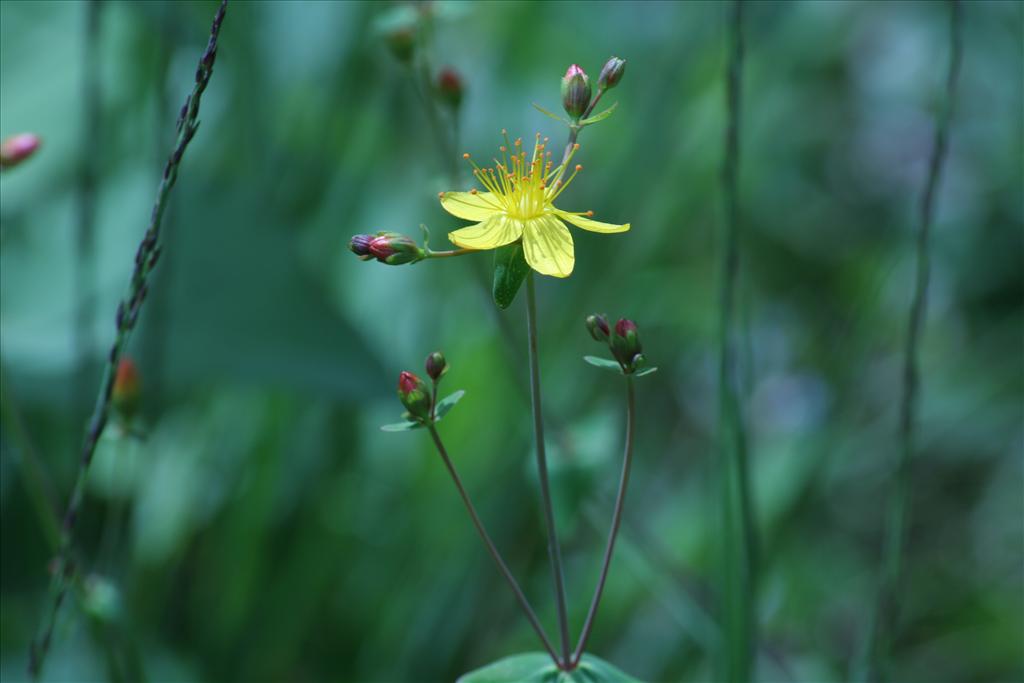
(646, 371)
(599, 117)
(446, 404)
(604, 363)
(544, 111)
(537, 667)
(403, 426)
(510, 270)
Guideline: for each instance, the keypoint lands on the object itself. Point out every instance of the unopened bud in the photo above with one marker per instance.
(126, 391)
(575, 92)
(598, 327)
(625, 344)
(436, 365)
(360, 246)
(449, 87)
(402, 42)
(17, 148)
(611, 73)
(413, 393)
(395, 249)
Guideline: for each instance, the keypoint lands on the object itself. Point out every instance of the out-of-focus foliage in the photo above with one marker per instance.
(265, 529)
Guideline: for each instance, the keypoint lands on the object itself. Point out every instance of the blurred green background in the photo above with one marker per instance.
(265, 530)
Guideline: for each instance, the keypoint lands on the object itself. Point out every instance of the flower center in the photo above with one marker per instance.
(524, 186)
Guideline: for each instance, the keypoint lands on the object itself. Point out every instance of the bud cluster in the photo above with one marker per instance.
(623, 341)
(417, 397)
(391, 248)
(577, 91)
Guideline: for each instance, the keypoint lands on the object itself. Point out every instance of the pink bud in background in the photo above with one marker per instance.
(17, 148)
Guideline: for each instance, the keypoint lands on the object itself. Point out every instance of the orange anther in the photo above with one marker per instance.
(590, 213)
(474, 191)
(575, 146)
(579, 167)
(465, 155)
(440, 195)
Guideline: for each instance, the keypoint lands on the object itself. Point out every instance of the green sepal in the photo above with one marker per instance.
(596, 118)
(597, 362)
(645, 371)
(447, 403)
(403, 426)
(537, 667)
(544, 111)
(510, 269)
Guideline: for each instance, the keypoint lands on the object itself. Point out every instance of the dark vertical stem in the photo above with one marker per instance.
(554, 549)
(886, 610)
(738, 540)
(125, 320)
(620, 500)
(85, 309)
(491, 548)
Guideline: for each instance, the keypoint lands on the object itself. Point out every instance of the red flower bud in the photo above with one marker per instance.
(395, 249)
(611, 73)
(414, 395)
(125, 394)
(17, 148)
(449, 87)
(625, 344)
(575, 92)
(598, 327)
(436, 365)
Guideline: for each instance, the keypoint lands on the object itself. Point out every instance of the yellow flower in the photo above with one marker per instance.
(519, 204)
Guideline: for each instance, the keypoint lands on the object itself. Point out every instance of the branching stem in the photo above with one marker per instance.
(620, 500)
(554, 549)
(491, 548)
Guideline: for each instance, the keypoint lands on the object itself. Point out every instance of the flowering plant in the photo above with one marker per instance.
(514, 214)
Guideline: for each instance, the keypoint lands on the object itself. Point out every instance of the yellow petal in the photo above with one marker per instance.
(547, 246)
(496, 231)
(471, 206)
(593, 226)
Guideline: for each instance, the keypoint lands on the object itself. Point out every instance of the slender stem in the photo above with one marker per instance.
(554, 549)
(491, 548)
(620, 500)
(886, 610)
(127, 315)
(451, 253)
(738, 534)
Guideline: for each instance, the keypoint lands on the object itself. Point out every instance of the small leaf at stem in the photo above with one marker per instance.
(510, 269)
(537, 667)
(446, 404)
(645, 371)
(599, 117)
(401, 426)
(544, 111)
(604, 363)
